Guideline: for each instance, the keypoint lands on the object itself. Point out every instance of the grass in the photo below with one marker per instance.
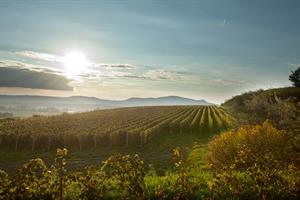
(282, 93)
(197, 155)
(156, 154)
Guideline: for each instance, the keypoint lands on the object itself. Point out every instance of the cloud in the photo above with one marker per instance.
(60, 59)
(292, 64)
(40, 56)
(175, 76)
(153, 75)
(18, 74)
(224, 23)
(123, 66)
(228, 81)
(11, 63)
(161, 74)
(95, 71)
(17, 64)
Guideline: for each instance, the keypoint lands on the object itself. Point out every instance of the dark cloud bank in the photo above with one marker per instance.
(25, 78)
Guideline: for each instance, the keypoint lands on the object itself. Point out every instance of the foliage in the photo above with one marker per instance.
(253, 162)
(124, 177)
(183, 183)
(4, 184)
(238, 102)
(295, 77)
(35, 180)
(281, 106)
(128, 173)
(260, 145)
(278, 111)
(256, 183)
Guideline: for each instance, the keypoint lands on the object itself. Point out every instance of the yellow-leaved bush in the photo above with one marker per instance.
(254, 162)
(262, 145)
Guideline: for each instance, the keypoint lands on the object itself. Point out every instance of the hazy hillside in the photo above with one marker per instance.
(29, 105)
(168, 100)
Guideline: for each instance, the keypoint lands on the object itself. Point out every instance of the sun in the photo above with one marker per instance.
(75, 63)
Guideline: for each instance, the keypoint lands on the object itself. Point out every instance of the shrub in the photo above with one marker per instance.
(256, 183)
(260, 145)
(4, 185)
(125, 175)
(253, 162)
(34, 180)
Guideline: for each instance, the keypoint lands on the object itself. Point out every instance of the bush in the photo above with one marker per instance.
(34, 180)
(256, 183)
(123, 177)
(253, 162)
(128, 173)
(4, 185)
(120, 177)
(261, 145)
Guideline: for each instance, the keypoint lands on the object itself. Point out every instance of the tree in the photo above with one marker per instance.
(295, 77)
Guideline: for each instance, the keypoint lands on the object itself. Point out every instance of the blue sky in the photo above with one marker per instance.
(197, 49)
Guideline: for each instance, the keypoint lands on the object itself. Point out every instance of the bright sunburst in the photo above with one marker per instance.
(74, 63)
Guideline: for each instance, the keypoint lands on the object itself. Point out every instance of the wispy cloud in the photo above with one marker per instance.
(292, 64)
(40, 56)
(228, 81)
(121, 66)
(99, 71)
(161, 74)
(60, 59)
(176, 76)
(224, 22)
(33, 67)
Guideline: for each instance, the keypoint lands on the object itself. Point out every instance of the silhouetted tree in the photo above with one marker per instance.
(295, 77)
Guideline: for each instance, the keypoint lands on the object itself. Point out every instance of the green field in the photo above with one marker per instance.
(151, 132)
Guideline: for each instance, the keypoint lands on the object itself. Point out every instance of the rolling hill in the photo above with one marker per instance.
(23, 105)
(239, 101)
(280, 106)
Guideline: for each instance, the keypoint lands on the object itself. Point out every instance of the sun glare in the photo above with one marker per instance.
(74, 63)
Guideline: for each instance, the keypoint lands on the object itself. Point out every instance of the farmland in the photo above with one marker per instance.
(158, 152)
(125, 127)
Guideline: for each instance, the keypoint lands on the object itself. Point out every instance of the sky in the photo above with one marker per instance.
(206, 49)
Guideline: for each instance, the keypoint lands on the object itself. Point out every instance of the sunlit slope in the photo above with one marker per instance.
(113, 127)
(239, 102)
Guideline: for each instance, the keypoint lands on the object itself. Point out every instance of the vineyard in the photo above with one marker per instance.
(114, 127)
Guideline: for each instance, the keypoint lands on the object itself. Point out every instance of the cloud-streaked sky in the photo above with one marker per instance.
(199, 49)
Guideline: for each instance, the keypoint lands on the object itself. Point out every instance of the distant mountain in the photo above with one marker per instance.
(168, 100)
(24, 105)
